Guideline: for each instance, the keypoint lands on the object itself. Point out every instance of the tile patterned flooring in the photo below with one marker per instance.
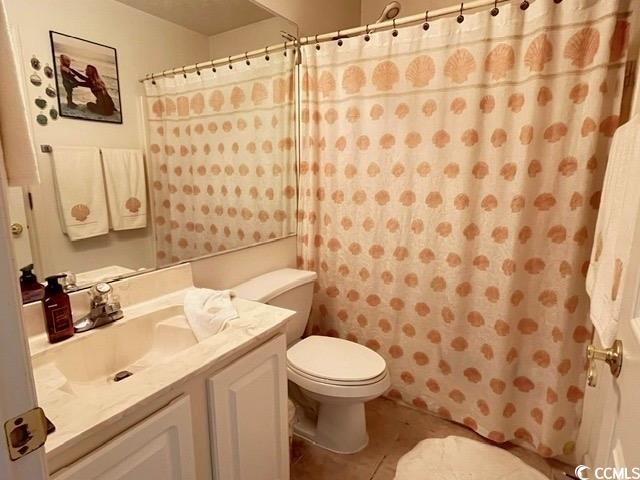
(393, 431)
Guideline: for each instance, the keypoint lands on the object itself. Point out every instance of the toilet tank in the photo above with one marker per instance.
(287, 288)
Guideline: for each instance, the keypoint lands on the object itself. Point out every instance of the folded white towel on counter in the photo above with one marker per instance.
(208, 311)
(617, 219)
(126, 187)
(79, 185)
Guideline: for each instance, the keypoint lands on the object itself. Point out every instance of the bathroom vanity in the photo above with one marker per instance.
(179, 409)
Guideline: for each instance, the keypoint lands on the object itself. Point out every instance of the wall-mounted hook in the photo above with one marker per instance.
(495, 10)
(460, 18)
(425, 25)
(395, 30)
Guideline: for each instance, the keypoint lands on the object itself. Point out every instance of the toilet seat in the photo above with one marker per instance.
(335, 361)
(336, 368)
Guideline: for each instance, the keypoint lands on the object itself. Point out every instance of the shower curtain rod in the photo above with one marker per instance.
(325, 37)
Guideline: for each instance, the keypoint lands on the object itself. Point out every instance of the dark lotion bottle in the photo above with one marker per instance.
(32, 290)
(57, 310)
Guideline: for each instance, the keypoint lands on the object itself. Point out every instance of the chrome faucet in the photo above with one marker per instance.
(104, 309)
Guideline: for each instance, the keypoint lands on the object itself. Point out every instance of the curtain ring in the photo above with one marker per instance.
(197, 70)
(425, 25)
(340, 42)
(230, 66)
(213, 66)
(395, 30)
(266, 53)
(183, 72)
(557, 2)
(153, 80)
(367, 37)
(246, 58)
(460, 18)
(284, 51)
(524, 5)
(317, 43)
(495, 10)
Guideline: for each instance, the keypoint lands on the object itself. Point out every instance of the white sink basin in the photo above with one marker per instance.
(91, 360)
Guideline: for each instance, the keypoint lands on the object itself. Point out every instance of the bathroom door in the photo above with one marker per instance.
(19, 231)
(611, 419)
(17, 390)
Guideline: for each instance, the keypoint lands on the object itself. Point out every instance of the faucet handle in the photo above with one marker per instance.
(99, 293)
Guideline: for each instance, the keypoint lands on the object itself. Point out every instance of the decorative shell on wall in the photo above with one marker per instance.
(539, 52)
(499, 61)
(259, 93)
(582, 47)
(459, 65)
(80, 212)
(353, 79)
(133, 204)
(216, 100)
(420, 71)
(385, 75)
(237, 97)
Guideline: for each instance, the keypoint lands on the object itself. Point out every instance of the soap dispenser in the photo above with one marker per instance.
(32, 290)
(57, 310)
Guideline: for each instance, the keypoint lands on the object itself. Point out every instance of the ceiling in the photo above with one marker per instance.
(208, 17)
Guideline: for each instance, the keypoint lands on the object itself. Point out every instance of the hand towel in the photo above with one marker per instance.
(208, 311)
(126, 188)
(617, 218)
(79, 184)
(17, 147)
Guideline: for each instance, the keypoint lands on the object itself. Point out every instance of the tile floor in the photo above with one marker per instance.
(393, 431)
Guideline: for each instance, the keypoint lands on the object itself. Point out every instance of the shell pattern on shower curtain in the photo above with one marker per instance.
(222, 157)
(449, 186)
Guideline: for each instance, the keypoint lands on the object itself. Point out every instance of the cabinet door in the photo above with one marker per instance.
(158, 448)
(248, 416)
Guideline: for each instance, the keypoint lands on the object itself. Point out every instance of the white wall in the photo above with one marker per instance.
(144, 44)
(371, 9)
(316, 16)
(250, 37)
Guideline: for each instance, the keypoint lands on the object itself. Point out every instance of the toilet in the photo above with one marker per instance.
(339, 375)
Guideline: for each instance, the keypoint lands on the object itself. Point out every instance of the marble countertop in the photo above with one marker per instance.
(77, 417)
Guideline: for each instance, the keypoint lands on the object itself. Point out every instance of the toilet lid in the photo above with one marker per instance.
(335, 359)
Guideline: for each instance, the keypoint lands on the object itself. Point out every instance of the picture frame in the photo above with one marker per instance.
(87, 79)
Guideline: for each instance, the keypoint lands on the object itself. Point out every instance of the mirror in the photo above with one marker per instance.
(215, 169)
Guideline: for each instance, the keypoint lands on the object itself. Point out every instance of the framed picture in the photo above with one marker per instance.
(87, 81)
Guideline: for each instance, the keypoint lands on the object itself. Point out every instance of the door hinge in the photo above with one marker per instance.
(26, 432)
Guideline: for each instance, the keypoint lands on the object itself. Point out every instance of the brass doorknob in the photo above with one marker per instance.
(612, 356)
(16, 229)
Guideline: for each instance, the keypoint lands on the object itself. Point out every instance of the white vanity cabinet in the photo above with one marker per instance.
(158, 448)
(248, 416)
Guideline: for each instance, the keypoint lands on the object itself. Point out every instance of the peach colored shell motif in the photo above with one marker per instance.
(539, 53)
(353, 79)
(499, 61)
(582, 47)
(385, 76)
(80, 212)
(460, 65)
(420, 71)
(133, 204)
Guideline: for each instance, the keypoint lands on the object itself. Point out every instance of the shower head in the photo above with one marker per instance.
(389, 12)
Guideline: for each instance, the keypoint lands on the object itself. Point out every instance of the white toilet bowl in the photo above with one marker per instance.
(341, 376)
(338, 374)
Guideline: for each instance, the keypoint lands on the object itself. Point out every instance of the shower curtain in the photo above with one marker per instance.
(222, 157)
(449, 184)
